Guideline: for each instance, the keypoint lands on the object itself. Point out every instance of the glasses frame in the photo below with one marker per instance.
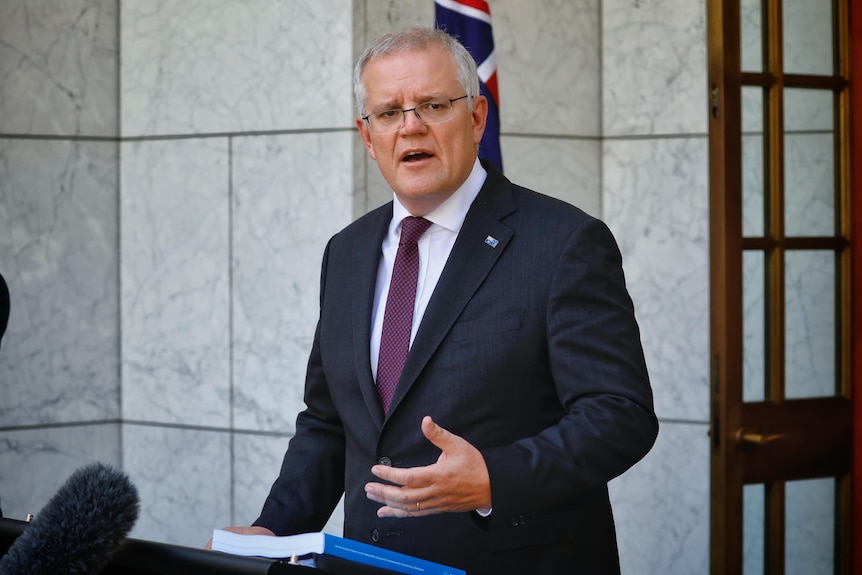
(413, 109)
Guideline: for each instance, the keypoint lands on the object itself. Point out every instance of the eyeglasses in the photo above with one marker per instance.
(388, 121)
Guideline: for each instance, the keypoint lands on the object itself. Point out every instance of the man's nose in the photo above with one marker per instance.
(412, 123)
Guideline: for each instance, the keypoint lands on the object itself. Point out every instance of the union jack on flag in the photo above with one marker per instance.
(470, 22)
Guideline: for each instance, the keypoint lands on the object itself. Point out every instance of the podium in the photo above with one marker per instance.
(139, 557)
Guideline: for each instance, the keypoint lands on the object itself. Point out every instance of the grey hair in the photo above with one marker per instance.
(417, 38)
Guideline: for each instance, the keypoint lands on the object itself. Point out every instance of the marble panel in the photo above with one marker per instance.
(184, 480)
(661, 505)
(656, 203)
(257, 461)
(36, 462)
(58, 252)
(548, 66)
(248, 65)
(382, 16)
(291, 194)
(58, 67)
(371, 189)
(175, 279)
(654, 67)
(568, 169)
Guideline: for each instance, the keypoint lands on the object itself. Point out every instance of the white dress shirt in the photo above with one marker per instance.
(435, 245)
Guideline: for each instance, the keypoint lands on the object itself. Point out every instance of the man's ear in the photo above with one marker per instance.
(480, 117)
(366, 136)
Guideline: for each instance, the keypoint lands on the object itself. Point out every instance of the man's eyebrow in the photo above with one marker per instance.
(394, 105)
(383, 106)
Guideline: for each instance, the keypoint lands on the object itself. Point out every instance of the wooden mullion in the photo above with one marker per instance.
(763, 79)
(806, 81)
(775, 527)
(849, 67)
(836, 244)
(853, 229)
(725, 203)
(844, 198)
(775, 168)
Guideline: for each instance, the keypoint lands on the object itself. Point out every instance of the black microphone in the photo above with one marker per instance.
(80, 528)
(4, 306)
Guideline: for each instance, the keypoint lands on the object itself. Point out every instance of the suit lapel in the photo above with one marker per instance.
(365, 264)
(481, 241)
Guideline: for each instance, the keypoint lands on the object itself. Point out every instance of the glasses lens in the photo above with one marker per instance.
(435, 112)
(387, 121)
(390, 121)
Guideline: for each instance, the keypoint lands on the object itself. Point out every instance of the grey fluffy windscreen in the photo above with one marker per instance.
(80, 528)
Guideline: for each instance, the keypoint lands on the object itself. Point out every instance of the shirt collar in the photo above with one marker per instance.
(451, 213)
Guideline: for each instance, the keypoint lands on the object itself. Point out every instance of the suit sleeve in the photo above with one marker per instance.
(311, 479)
(597, 365)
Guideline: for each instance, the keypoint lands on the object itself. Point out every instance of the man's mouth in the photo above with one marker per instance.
(415, 156)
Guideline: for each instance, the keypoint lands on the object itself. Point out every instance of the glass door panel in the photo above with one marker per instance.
(751, 35)
(753, 326)
(753, 176)
(809, 165)
(810, 346)
(810, 527)
(808, 37)
(753, 529)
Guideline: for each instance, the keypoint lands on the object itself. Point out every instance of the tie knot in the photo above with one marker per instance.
(412, 229)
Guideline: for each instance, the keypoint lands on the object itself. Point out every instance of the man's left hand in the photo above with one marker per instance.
(458, 481)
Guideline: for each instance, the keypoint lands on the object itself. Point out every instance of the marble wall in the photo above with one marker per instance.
(236, 167)
(655, 199)
(59, 362)
(166, 200)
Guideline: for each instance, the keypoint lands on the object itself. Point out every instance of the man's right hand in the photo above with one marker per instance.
(244, 531)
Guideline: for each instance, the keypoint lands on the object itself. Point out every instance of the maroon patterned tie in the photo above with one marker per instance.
(398, 317)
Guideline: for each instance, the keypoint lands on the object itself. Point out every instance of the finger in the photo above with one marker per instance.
(388, 473)
(400, 502)
(374, 492)
(397, 497)
(385, 494)
(411, 509)
(439, 436)
(404, 476)
(387, 511)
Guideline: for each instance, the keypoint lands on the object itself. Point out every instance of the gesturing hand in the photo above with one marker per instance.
(458, 481)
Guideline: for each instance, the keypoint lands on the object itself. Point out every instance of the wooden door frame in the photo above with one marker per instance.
(856, 239)
(724, 55)
(725, 353)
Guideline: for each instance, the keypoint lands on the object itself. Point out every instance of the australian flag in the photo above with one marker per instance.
(470, 22)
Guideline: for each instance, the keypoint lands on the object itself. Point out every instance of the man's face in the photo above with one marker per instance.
(424, 165)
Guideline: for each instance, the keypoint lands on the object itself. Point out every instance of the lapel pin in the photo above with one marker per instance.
(492, 241)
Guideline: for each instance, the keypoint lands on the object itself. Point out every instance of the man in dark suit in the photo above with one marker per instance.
(525, 388)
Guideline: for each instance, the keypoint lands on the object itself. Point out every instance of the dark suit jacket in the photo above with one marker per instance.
(528, 349)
